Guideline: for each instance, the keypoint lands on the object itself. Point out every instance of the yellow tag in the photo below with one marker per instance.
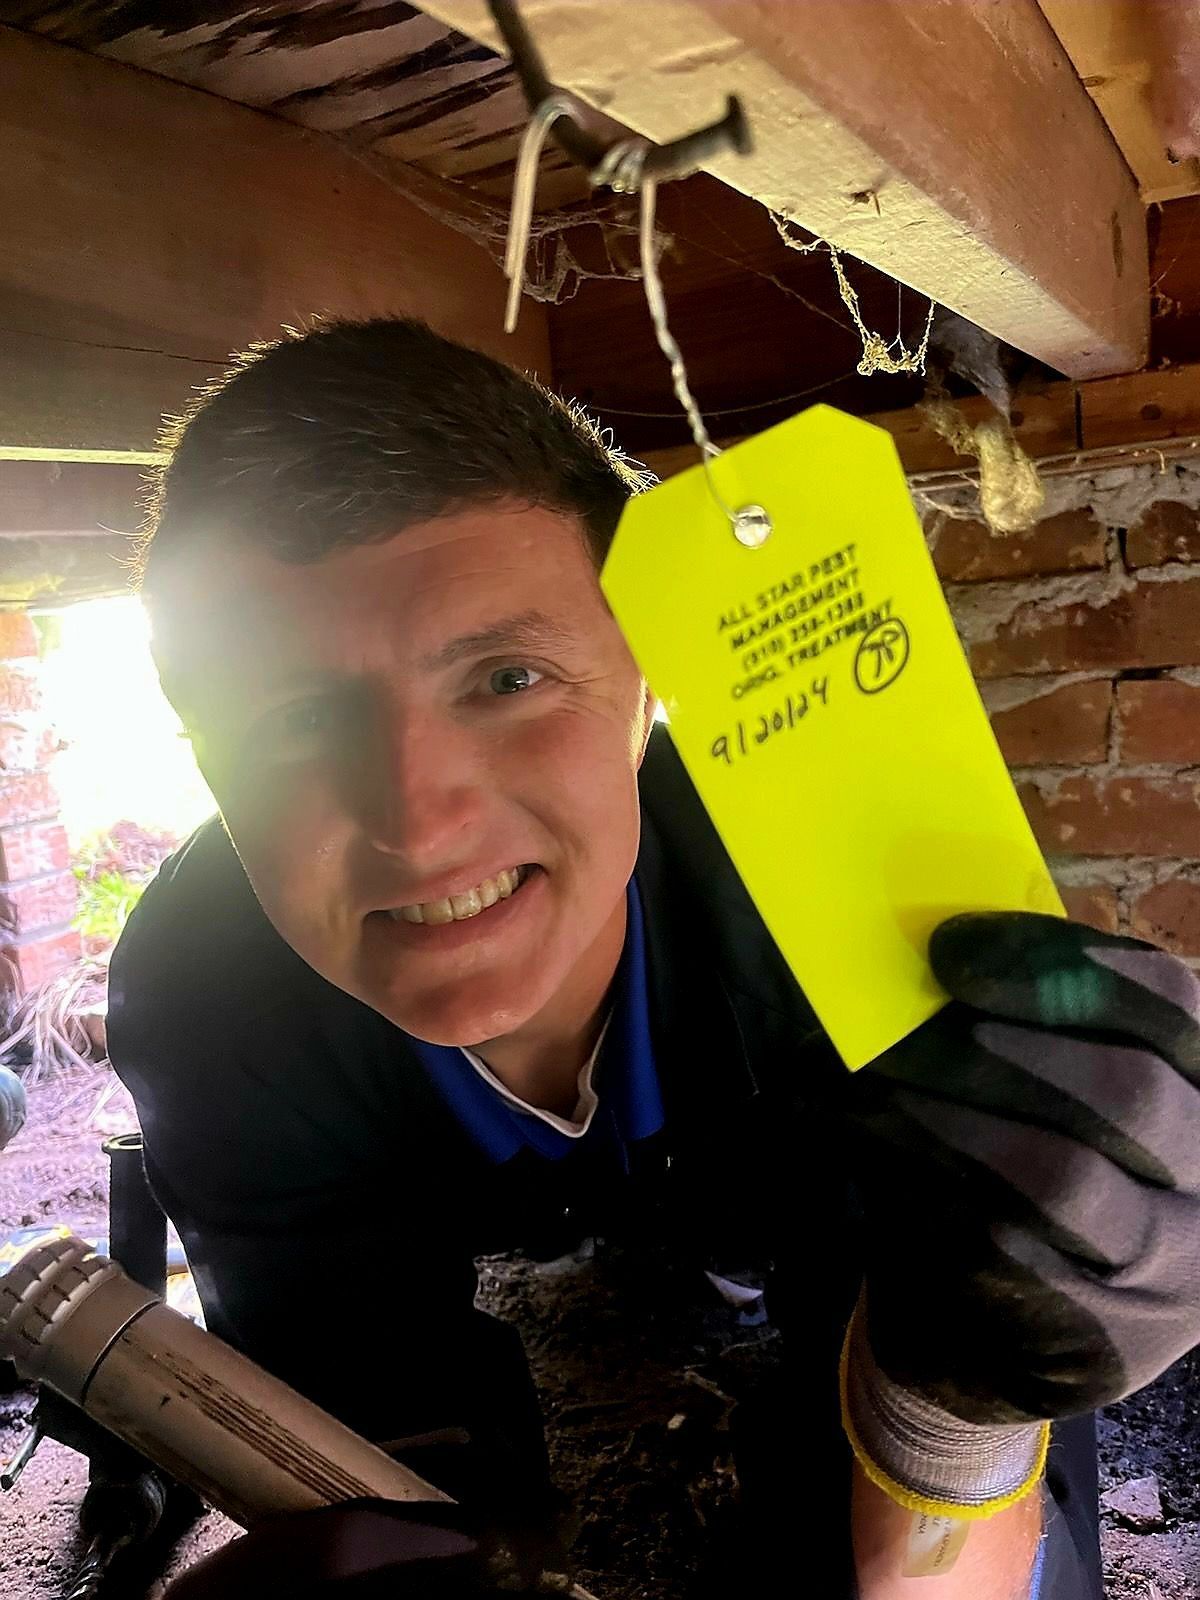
(818, 696)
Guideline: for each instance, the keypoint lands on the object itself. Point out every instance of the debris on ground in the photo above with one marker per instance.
(1136, 1505)
(637, 1408)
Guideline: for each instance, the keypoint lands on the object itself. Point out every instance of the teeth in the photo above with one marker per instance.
(459, 907)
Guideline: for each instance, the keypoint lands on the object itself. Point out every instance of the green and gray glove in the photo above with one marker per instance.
(1030, 1170)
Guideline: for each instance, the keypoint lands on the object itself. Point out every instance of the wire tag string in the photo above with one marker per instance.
(751, 524)
(622, 169)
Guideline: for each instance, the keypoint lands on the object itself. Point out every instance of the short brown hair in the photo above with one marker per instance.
(352, 431)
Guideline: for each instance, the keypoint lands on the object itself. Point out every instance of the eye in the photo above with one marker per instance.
(295, 731)
(512, 680)
(305, 720)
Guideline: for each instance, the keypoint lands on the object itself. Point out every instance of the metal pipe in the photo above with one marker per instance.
(244, 1441)
(137, 1225)
(22, 1456)
(678, 159)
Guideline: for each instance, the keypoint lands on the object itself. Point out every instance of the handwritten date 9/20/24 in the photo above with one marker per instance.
(752, 733)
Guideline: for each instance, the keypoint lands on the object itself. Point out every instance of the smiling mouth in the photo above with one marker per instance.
(462, 907)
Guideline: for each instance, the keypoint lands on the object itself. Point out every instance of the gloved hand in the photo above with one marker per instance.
(1030, 1173)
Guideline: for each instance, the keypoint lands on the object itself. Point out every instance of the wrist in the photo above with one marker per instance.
(924, 1458)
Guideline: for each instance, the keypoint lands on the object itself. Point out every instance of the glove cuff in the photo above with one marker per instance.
(922, 1457)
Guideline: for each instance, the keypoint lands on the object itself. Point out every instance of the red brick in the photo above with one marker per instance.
(26, 798)
(1121, 816)
(1159, 720)
(18, 636)
(1166, 531)
(39, 903)
(1093, 903)
(33, 962)
(1069, 725)
(26, 749)
(1151, 625)
(1169, 915)
(968, 552)
(19, 689)
(30, 851)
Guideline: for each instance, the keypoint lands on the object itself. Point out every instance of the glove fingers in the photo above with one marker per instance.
(1127, 1103)
(1067, 1194)
(1058, 974)
(1141, 1344)
(955, 1315)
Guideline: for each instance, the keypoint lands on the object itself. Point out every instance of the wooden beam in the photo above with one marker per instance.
(1115, 47)
(66, 531)
(951, 145)
(1147, 415)
(69, 400)
(56, 500)
(1044, 423)
(54, 572)
(150, 229)
(1150, 407)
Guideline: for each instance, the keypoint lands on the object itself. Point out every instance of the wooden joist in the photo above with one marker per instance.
(150, 229)
(1138, 416)
(1119, 50)
(953, 146)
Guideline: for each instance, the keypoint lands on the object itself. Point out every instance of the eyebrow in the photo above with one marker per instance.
(527, 630)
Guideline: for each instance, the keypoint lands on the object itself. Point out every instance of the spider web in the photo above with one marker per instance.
(554, 272)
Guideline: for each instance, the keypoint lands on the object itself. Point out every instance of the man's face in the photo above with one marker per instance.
(399, 734)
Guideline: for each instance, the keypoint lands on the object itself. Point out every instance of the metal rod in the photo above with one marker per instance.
(23, 1455)
(137, 1227)
(663, 162)
(118, 1515)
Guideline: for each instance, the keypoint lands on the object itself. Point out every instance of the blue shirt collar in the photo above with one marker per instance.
(625, 1080)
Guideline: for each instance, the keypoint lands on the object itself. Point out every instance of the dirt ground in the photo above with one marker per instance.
(640, 1447)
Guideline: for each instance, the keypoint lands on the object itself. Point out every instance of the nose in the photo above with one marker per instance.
(427, 793)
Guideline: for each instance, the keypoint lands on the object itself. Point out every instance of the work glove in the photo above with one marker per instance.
(1029, 1163)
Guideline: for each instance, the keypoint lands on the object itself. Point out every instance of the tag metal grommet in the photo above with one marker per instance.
(752, 526)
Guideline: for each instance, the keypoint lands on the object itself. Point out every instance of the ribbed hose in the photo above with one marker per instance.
(245, 1442)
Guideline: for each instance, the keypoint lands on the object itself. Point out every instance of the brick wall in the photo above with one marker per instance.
(37, 889)
(1084, 636)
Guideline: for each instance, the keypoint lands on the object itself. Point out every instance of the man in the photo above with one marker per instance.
(463, 967)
